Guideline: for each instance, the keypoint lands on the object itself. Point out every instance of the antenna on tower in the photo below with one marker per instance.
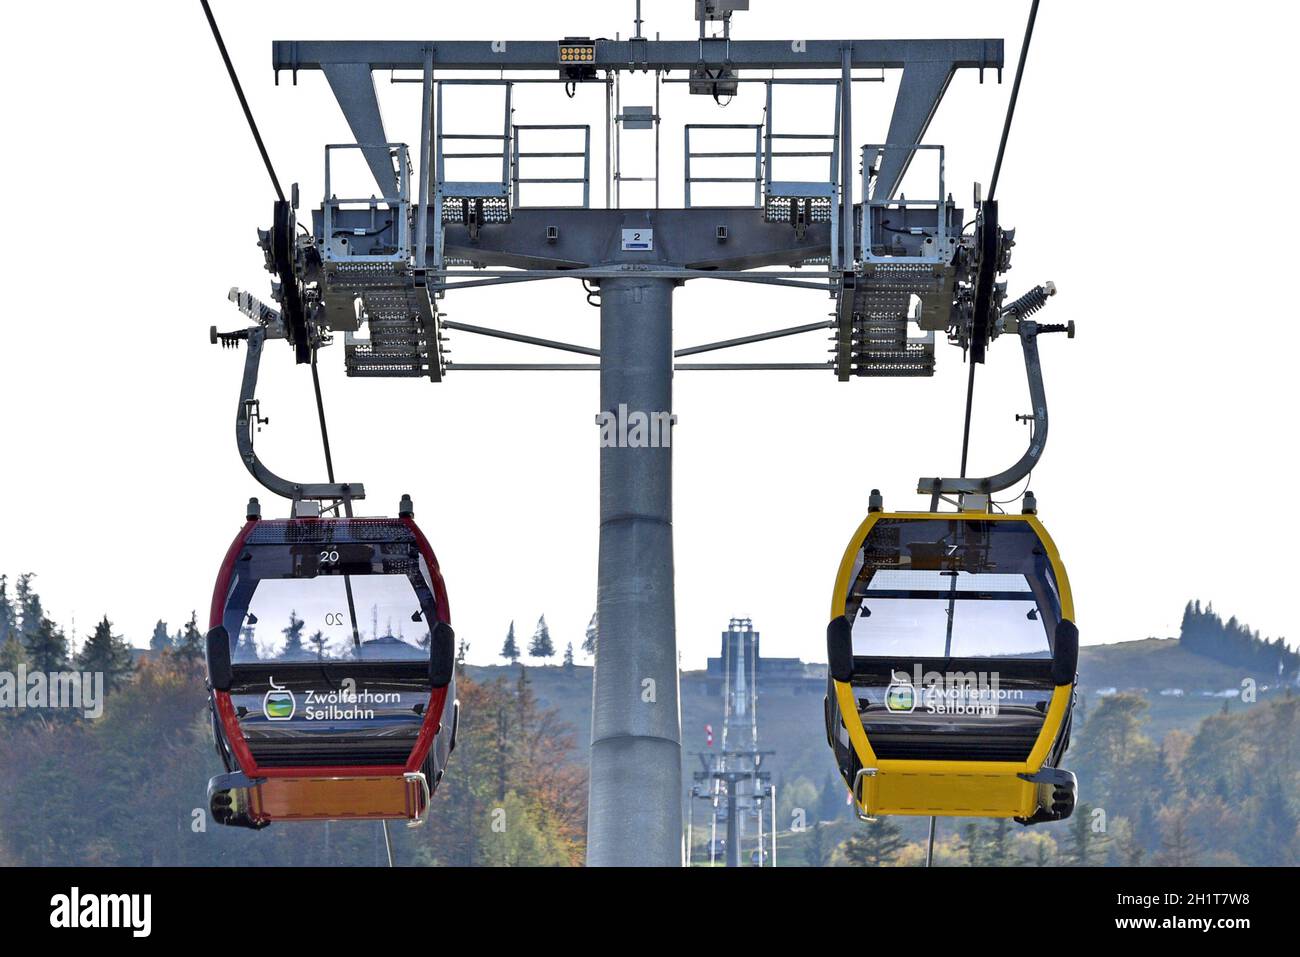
(741, 795)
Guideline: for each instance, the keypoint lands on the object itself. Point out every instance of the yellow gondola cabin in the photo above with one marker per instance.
(953, 652)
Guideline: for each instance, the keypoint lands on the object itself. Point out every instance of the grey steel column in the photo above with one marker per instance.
(635, 804)
(733, 826)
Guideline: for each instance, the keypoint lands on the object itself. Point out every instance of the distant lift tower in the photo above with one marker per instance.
(458, 212)
(731, 779)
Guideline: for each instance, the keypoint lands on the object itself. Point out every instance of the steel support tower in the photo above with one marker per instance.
(731, 779)
(636, 783)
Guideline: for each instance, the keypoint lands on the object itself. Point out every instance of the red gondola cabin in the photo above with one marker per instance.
(331, 664)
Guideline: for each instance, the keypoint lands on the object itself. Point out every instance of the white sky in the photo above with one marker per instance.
(1148, 141)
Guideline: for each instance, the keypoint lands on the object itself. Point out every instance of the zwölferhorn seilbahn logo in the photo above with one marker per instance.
(900, 696)
(279, 704)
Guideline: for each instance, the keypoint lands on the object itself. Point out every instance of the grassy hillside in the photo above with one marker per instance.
(1156, 664)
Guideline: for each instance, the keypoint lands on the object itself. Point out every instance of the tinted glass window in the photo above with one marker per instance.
(953, 588)
(330, 600)
(306, 619)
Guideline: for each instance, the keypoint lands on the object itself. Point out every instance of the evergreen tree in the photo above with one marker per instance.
(999, 848)
(568, 658)
(1146, 827)
(1127, 847)
(817, 848)
(1085, 847)
(7, 616)
(293, 649)
(160, 640)
(874, 844)
(191, 644)
(510, 650)
(833, 800)
(320, 645)
(525, 706)
(107, 653)
(541, 645)
(30, 611)
(47, 648)
(797, 801)
(43, 643)
(972, 842)
(246, 648)
(1277, 834)
(589, 642)
(1042, 851)
(1042, 856)
(12, 654)
(1176, 847)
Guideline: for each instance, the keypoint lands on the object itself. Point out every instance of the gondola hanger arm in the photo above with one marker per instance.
(1029, 331)
(247, 419)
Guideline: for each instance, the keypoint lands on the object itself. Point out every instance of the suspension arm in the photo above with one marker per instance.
(1029, 332)
(246, 423)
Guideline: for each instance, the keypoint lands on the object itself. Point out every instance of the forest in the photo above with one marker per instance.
(1222, 796)
(127, 788)
(1206, 633)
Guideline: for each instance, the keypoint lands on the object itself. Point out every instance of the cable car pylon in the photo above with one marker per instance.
(899, 270)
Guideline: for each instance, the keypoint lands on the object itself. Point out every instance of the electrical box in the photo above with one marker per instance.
(713, 81)
(718, 9)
